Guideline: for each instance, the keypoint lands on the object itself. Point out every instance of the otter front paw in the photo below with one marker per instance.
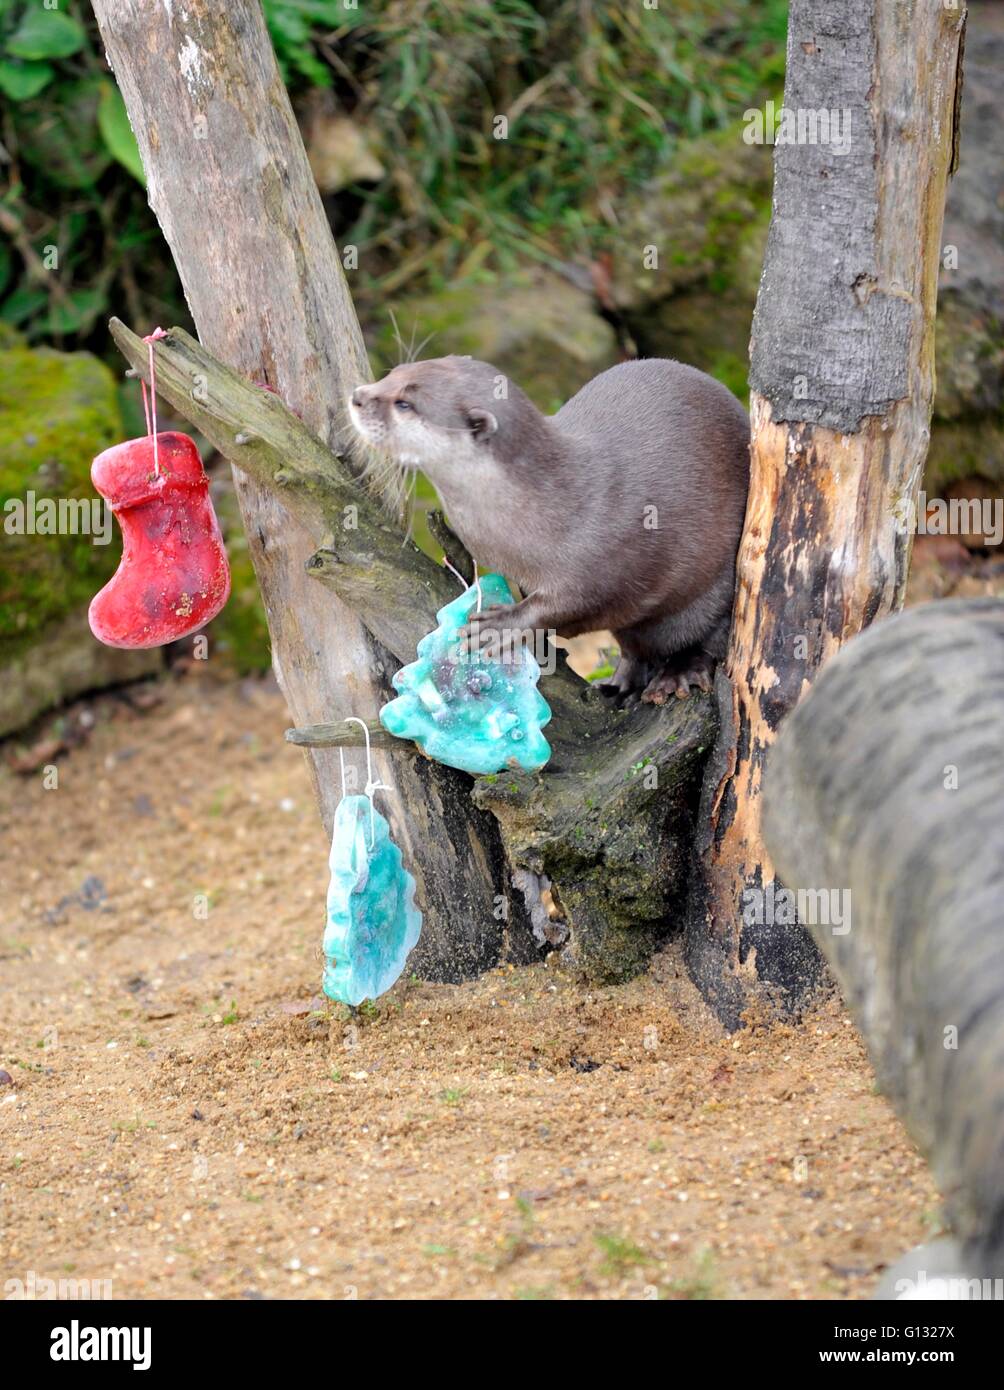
(496, 631)
(676, 678)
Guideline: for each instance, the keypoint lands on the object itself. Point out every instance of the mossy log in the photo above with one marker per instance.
(885, 787)
(604, 832)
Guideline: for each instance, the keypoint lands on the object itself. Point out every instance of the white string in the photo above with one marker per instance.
(371, 786)
(476, 584)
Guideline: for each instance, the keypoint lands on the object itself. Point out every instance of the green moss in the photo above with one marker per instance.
(700, 214)
(239, 636)
(732, 371)
(57, 411)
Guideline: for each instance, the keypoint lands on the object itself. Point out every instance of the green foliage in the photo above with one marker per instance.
(296, 28)
(113, 123)
(81, 234)
(57, 411)
(597, 99)
(29, 37)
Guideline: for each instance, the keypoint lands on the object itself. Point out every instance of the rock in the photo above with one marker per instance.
(689, 255)
(341, 152)
(539, 329)
(63, 662)
(58, 410)
(239, 636)
(967, 435)
(696, 216)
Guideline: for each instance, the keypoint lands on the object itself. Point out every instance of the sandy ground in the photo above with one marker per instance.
(186, 1117)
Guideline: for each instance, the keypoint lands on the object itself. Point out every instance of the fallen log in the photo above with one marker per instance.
(886, 786)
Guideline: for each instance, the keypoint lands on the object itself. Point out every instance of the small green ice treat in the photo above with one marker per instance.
(373, 922)
(466, 710)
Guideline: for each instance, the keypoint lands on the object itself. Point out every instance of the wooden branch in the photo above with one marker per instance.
(345, 735)
(453, 547)
(249, 426)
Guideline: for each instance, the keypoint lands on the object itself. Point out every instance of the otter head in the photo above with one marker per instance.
(443, 416)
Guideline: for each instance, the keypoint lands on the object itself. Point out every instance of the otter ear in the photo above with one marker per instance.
(481, 423)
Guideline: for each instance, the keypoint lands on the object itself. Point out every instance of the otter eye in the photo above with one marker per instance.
(403, 405)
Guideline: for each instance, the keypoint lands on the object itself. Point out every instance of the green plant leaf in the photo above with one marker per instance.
(22, 81)
(60, 139)
(23, 304)
(76, 313)
(113, 122)
(46, 34)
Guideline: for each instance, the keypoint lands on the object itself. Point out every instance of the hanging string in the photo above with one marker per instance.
(150, 406)
(477, 581)
(371, 786)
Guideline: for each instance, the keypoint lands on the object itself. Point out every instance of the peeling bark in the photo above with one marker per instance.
(842, 377)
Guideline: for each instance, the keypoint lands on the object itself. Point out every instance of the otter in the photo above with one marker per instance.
(622, 511)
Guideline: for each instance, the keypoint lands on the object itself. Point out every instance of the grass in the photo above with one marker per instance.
(619, 1254)
(509, 132)
(596, 98)
(704, 1283)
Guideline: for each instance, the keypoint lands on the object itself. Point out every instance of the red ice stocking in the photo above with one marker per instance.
(173, 576)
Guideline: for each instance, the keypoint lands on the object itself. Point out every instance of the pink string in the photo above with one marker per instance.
(150, 407)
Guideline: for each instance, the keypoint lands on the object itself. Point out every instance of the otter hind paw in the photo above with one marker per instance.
(679, 678)
(626, 684)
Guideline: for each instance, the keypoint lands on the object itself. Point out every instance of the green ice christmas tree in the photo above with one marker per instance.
(469, 710)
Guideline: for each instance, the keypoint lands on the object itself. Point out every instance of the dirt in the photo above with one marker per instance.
(186, 1117)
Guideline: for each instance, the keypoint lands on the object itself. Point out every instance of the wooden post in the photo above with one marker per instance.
(842, 383)
(228, 179)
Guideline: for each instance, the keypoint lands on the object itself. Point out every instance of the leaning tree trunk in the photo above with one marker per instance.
(842, 382)
(229, 182)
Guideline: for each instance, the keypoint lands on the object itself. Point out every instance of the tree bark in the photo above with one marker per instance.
(229, 182)
(883, 802)
(842, 386)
